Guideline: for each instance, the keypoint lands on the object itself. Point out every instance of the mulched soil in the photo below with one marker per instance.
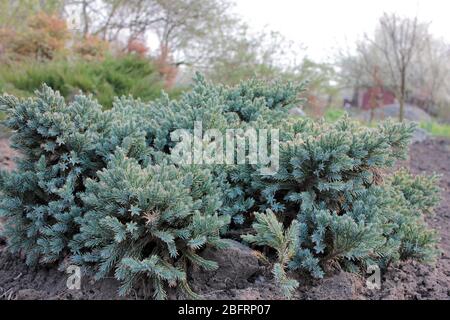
(410, 280)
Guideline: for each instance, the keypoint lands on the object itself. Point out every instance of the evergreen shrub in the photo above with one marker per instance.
(101, 188)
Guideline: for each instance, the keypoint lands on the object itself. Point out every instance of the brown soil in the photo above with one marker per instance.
(7, 155)
(410, 280)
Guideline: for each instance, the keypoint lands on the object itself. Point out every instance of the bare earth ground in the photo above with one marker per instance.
(408, 281)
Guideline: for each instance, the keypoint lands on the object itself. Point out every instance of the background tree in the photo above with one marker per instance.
(182, 27)
(406, 59)
(29, 25)
(190, 35)
(399, 40)
(430, 76)
(14, 12)
(392, 50)
(237, 53)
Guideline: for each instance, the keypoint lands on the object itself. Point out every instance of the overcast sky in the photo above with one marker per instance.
(322, 25)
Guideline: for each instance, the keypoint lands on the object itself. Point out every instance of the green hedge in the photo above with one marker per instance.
(106, 79)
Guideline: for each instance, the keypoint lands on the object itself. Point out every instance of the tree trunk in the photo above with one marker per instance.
(401, 115)
(372, 114)
(86, 19)
(402, 97)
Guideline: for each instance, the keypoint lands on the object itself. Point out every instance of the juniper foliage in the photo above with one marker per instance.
(149, 222)
(271, 233)
(252, 104)
(101, 187)
(61, 144)
(379, 226)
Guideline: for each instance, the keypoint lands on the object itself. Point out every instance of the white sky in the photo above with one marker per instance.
(323, 25)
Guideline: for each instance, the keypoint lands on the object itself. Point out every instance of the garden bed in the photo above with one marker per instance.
(409, 280)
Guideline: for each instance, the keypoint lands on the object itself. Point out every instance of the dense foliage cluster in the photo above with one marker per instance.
(62, 145)
(148, 221)
(101, 187)
(104, 79)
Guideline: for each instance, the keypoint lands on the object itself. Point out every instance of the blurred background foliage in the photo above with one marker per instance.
(105, 79)
(139, 47)
(102, 47)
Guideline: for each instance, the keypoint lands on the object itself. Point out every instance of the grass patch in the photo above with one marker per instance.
(436, 129)
(333, 114)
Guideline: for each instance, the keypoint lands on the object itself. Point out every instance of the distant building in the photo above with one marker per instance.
(364, 98)
(382, 96)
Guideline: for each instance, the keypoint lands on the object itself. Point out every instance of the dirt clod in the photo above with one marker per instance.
(237, 264)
